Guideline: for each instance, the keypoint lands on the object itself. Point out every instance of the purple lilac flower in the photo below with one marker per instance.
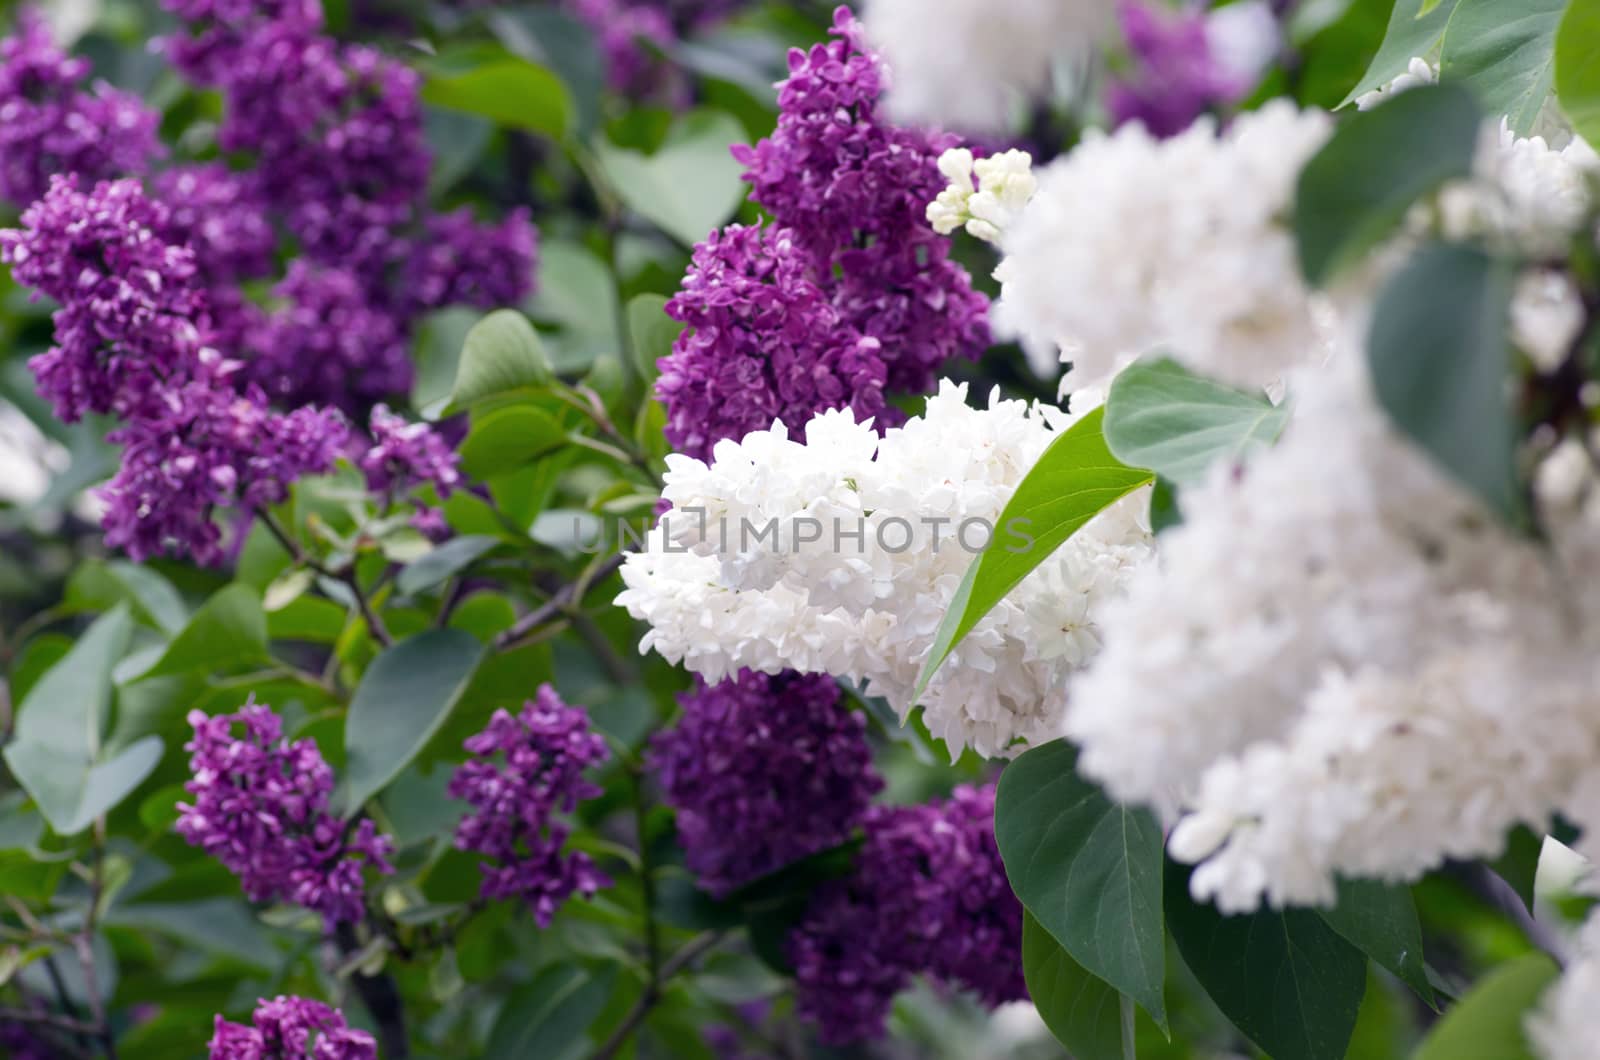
(220, 30)
(205, 447)
(461, 261)
(406, 455)
(21, 1041)
(763, 771)
(291, 1028)
(220, 215)
(260, 806)
(866, 296)
(762, 343)
(1175, 77)
(52, 122)
(927, 896)
(525, 770)
(329, 343)
(129, 299)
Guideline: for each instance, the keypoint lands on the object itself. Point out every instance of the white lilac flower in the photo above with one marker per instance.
(1133, 244)
(985, 195)
(971, 64)
(1418, 71)
(1566, 1024)
(1342, 665)
(812, 597)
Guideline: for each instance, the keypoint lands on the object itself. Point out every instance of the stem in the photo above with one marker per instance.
(381, 998)
(557, 606)
(347, 576)
(83, 942)
(691, 952)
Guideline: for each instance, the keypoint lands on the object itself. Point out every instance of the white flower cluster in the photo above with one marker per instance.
(970, 64)
(873, 536)
(1418, 72)
(1133, 243)
(1566, 1025)
(989, 205)
(1342, 665)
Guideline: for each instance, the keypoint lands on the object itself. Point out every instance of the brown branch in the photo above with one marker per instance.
(691, 952)
(556, 606)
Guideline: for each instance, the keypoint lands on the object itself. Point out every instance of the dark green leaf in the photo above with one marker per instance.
(443, 562)
(1506, 53)
(1519, 864)
(502, 353)
(690, 185)
(404, 698)
(1441, 363)
(1084, 1013)
(1486, 1024)
(508, 439)
(1355, 191)
(1075, 480)
(230, 628)
(1577, 75)
(1088, 869)
(564, 44)
(508, 91)
(1409, 36)
(1286, 979)
(1161, 416)
(99, 585)
(550, 1015)
(1380, 920)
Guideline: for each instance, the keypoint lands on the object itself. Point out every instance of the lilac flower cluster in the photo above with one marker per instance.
(863, 293)
(291, 1028)
(927, 896)
(525, 770)
(20, 1041)
(340, 160)
(260, 806)
(763, 770)
(52, 121)
(133, 338)
(631, 32)
(1176, 77)
(763, 342)
(405, 456)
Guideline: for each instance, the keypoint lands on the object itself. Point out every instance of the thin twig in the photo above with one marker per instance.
(692, 951)
(346, 576)
(556, 606)
(381, 998)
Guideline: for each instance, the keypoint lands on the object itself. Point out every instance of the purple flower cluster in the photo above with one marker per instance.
(335, 132)
(20, 1041)
(763, 770)
(927, 896)
(260, 806)
(861, 290)
(133, 338)
(52, 121)
(763, 342)
(630, 32)
(291, 1028)
(1175, 76)
(525, 770)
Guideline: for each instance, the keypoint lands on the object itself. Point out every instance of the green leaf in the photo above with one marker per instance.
(1088, 869)
(551, 1014)
(1505, 53)
(229, 629)
(65, 711)
(1486, 1024)
(564, 44)
(1083, 1012)
(407, 693)
(99, 586)
(1441, 361)
(510, 438)
(508, 91)
(1075, 480)
(1380, 920)
(1413, 33)
(1286, 979)
(1427, 6)
(1354, 191)
(1161, 416)
(502, 353)
(1519, 864)
(652, 332)
(443, 562)
(691, 184)
(72, 790)
(1577, 76)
